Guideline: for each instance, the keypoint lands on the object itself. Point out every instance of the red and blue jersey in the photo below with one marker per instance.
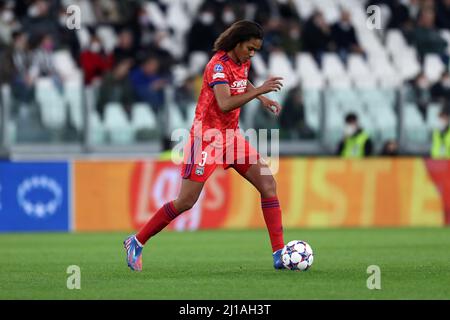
(220, 69)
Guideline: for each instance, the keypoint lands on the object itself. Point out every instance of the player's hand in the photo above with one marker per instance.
(272, 106)
(271, 84)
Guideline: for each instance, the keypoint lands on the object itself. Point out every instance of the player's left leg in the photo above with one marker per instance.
(265, 183)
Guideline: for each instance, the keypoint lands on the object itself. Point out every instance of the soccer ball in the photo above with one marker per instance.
(297, 255)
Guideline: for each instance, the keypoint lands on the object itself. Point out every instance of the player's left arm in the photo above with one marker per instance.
(272, 105)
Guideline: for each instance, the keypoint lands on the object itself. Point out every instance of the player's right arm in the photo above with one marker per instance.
(227, 102)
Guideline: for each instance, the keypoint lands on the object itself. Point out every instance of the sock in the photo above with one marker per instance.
(272, 216)
(158, 222)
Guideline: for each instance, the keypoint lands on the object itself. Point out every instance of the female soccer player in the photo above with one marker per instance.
(224, 90)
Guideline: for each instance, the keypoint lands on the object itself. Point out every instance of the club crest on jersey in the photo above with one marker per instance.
(218, 68)
(199, 171)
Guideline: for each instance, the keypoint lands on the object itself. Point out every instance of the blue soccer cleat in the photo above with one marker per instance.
(134, 253)
(277, 262)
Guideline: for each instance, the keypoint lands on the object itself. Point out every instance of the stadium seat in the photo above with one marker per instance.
(259, 66)
(73, 95)
(191, 113)
(333, 67)
(433, 110)
(176, 120)
(108, 37)
(65, 65)
(279, 65)
(97, 132)
(334, 125)
(312, 104)
(395, 41)
(308, 71)
(330, 10)
(84, 37)
(433, 67)
(177, 18)
(407, 63)
(197, 62)
(51, 104)
(156, 15)
(446, 35)
(117, 125)
(305, 8)
(414, 126)
(143, 121)
(384, 71)
(359, 72)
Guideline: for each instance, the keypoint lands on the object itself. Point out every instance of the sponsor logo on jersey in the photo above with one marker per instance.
(239, 85)
(218, 68)
(218, 75)
(199, 171)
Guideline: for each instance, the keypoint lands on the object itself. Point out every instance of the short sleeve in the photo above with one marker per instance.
(216, 73)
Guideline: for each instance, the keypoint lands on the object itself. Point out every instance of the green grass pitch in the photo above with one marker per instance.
(218, 264)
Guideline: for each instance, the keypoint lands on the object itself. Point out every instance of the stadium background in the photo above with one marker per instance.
(71, 109)
(86, 114)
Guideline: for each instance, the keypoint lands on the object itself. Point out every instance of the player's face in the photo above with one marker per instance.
(246, 50)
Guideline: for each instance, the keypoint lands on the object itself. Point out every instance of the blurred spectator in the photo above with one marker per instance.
(15, 68)
(68, 37)
(116, 87)
(228, 16)
(94, 61)
(43, 62)
(317, 36)
(204, 25)
(163, 48)
(185, 96)
(292, 117)
(344, 36)
(400, 16)
(8, 24)
(272, 36)
(440, 146)
(125, 48)
(41, 18)
(419, 89)
(427, 39)
(107, 11)
(440, 91)
(356, 142)
(148, 83)
(390, 148)
(291, 39)
(443, 14)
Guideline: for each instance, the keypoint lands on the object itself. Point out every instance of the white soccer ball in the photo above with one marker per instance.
(297, 255)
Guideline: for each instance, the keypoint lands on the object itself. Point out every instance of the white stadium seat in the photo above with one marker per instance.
(143, 117)
(73, 95)
(108, 37)
(51, 103)
(117, 125)
(433, 67)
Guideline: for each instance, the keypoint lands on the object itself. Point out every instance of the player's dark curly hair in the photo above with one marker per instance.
(239, 31)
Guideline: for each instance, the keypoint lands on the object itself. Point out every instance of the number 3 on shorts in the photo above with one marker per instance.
(204, 156)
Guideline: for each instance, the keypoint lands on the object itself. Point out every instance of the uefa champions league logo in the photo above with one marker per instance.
(39, 185)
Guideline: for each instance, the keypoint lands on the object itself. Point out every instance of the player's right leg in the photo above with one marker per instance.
(189, 193)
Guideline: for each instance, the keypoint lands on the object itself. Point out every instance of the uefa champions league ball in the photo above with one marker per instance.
(297, 255)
